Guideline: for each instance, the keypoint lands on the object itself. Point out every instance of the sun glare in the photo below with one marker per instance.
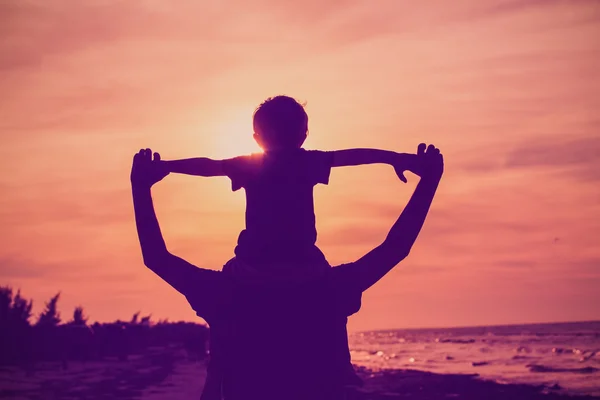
(233, 136)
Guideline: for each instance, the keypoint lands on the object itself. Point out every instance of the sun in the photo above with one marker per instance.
(233, 135)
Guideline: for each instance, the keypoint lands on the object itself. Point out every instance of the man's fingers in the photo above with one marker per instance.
(145, 154)
(421, 149)
(156, 157)
(402, 177)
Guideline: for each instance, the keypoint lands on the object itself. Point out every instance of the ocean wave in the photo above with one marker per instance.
(544, 368)
(479, 363)
(563, 354)
(523, 349)
(588, 355)
(584, 354)
(457, 341)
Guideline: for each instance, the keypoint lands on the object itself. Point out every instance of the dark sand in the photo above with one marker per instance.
(162, 373)
(167, 373)
(411, 384)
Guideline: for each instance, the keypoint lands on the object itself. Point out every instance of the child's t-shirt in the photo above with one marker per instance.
(280, 216)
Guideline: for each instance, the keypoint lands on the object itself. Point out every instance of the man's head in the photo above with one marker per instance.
(280, 123)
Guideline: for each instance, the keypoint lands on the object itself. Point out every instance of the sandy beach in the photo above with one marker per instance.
(160, 374)
(167, 373)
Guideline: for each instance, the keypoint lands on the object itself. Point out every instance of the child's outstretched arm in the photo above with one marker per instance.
(200, 166)
(400, 161)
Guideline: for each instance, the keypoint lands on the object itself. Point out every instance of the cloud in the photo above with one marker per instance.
(577, 157)
(128, 66)
(35, 31)
(66, 204)
(556, 152)
(569, 156)
(516, 6)
(38, 29)
(23, 268)
(14, 268)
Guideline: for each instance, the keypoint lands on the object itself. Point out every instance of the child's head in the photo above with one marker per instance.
(280, 123)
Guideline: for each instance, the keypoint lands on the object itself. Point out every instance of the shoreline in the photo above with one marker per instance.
(168, 374)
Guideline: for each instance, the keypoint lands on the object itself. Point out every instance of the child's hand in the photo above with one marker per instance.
(405, 162)
(399, 168)
(161, 165)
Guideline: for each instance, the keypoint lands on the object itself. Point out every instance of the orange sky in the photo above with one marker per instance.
(508, 89)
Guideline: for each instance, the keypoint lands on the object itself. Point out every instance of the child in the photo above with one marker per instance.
(280, 235)
(280, 232)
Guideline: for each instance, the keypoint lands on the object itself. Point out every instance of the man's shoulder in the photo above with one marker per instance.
(212, 295)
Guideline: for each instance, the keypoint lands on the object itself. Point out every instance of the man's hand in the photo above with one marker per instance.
(427, 162)
(146, 171)
(430, 162)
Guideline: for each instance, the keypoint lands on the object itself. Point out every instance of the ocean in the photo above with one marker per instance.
(564, 357)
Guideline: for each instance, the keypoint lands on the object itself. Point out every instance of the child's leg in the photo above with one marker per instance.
(240, 269)
(285, 271)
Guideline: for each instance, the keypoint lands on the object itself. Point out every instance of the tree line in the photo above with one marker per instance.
(25, 340)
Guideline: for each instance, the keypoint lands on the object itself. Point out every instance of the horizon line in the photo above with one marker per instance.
(479, 326)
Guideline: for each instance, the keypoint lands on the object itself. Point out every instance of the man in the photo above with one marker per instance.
(279, 339)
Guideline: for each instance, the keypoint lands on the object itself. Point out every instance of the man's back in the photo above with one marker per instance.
(282, 341)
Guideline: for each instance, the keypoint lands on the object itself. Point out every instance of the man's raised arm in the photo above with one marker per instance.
(379, 261)
(177, 272)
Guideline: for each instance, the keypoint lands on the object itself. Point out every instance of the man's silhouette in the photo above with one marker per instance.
(280, 339)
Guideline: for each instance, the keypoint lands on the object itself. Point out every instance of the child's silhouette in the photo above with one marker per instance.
(280, 235)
